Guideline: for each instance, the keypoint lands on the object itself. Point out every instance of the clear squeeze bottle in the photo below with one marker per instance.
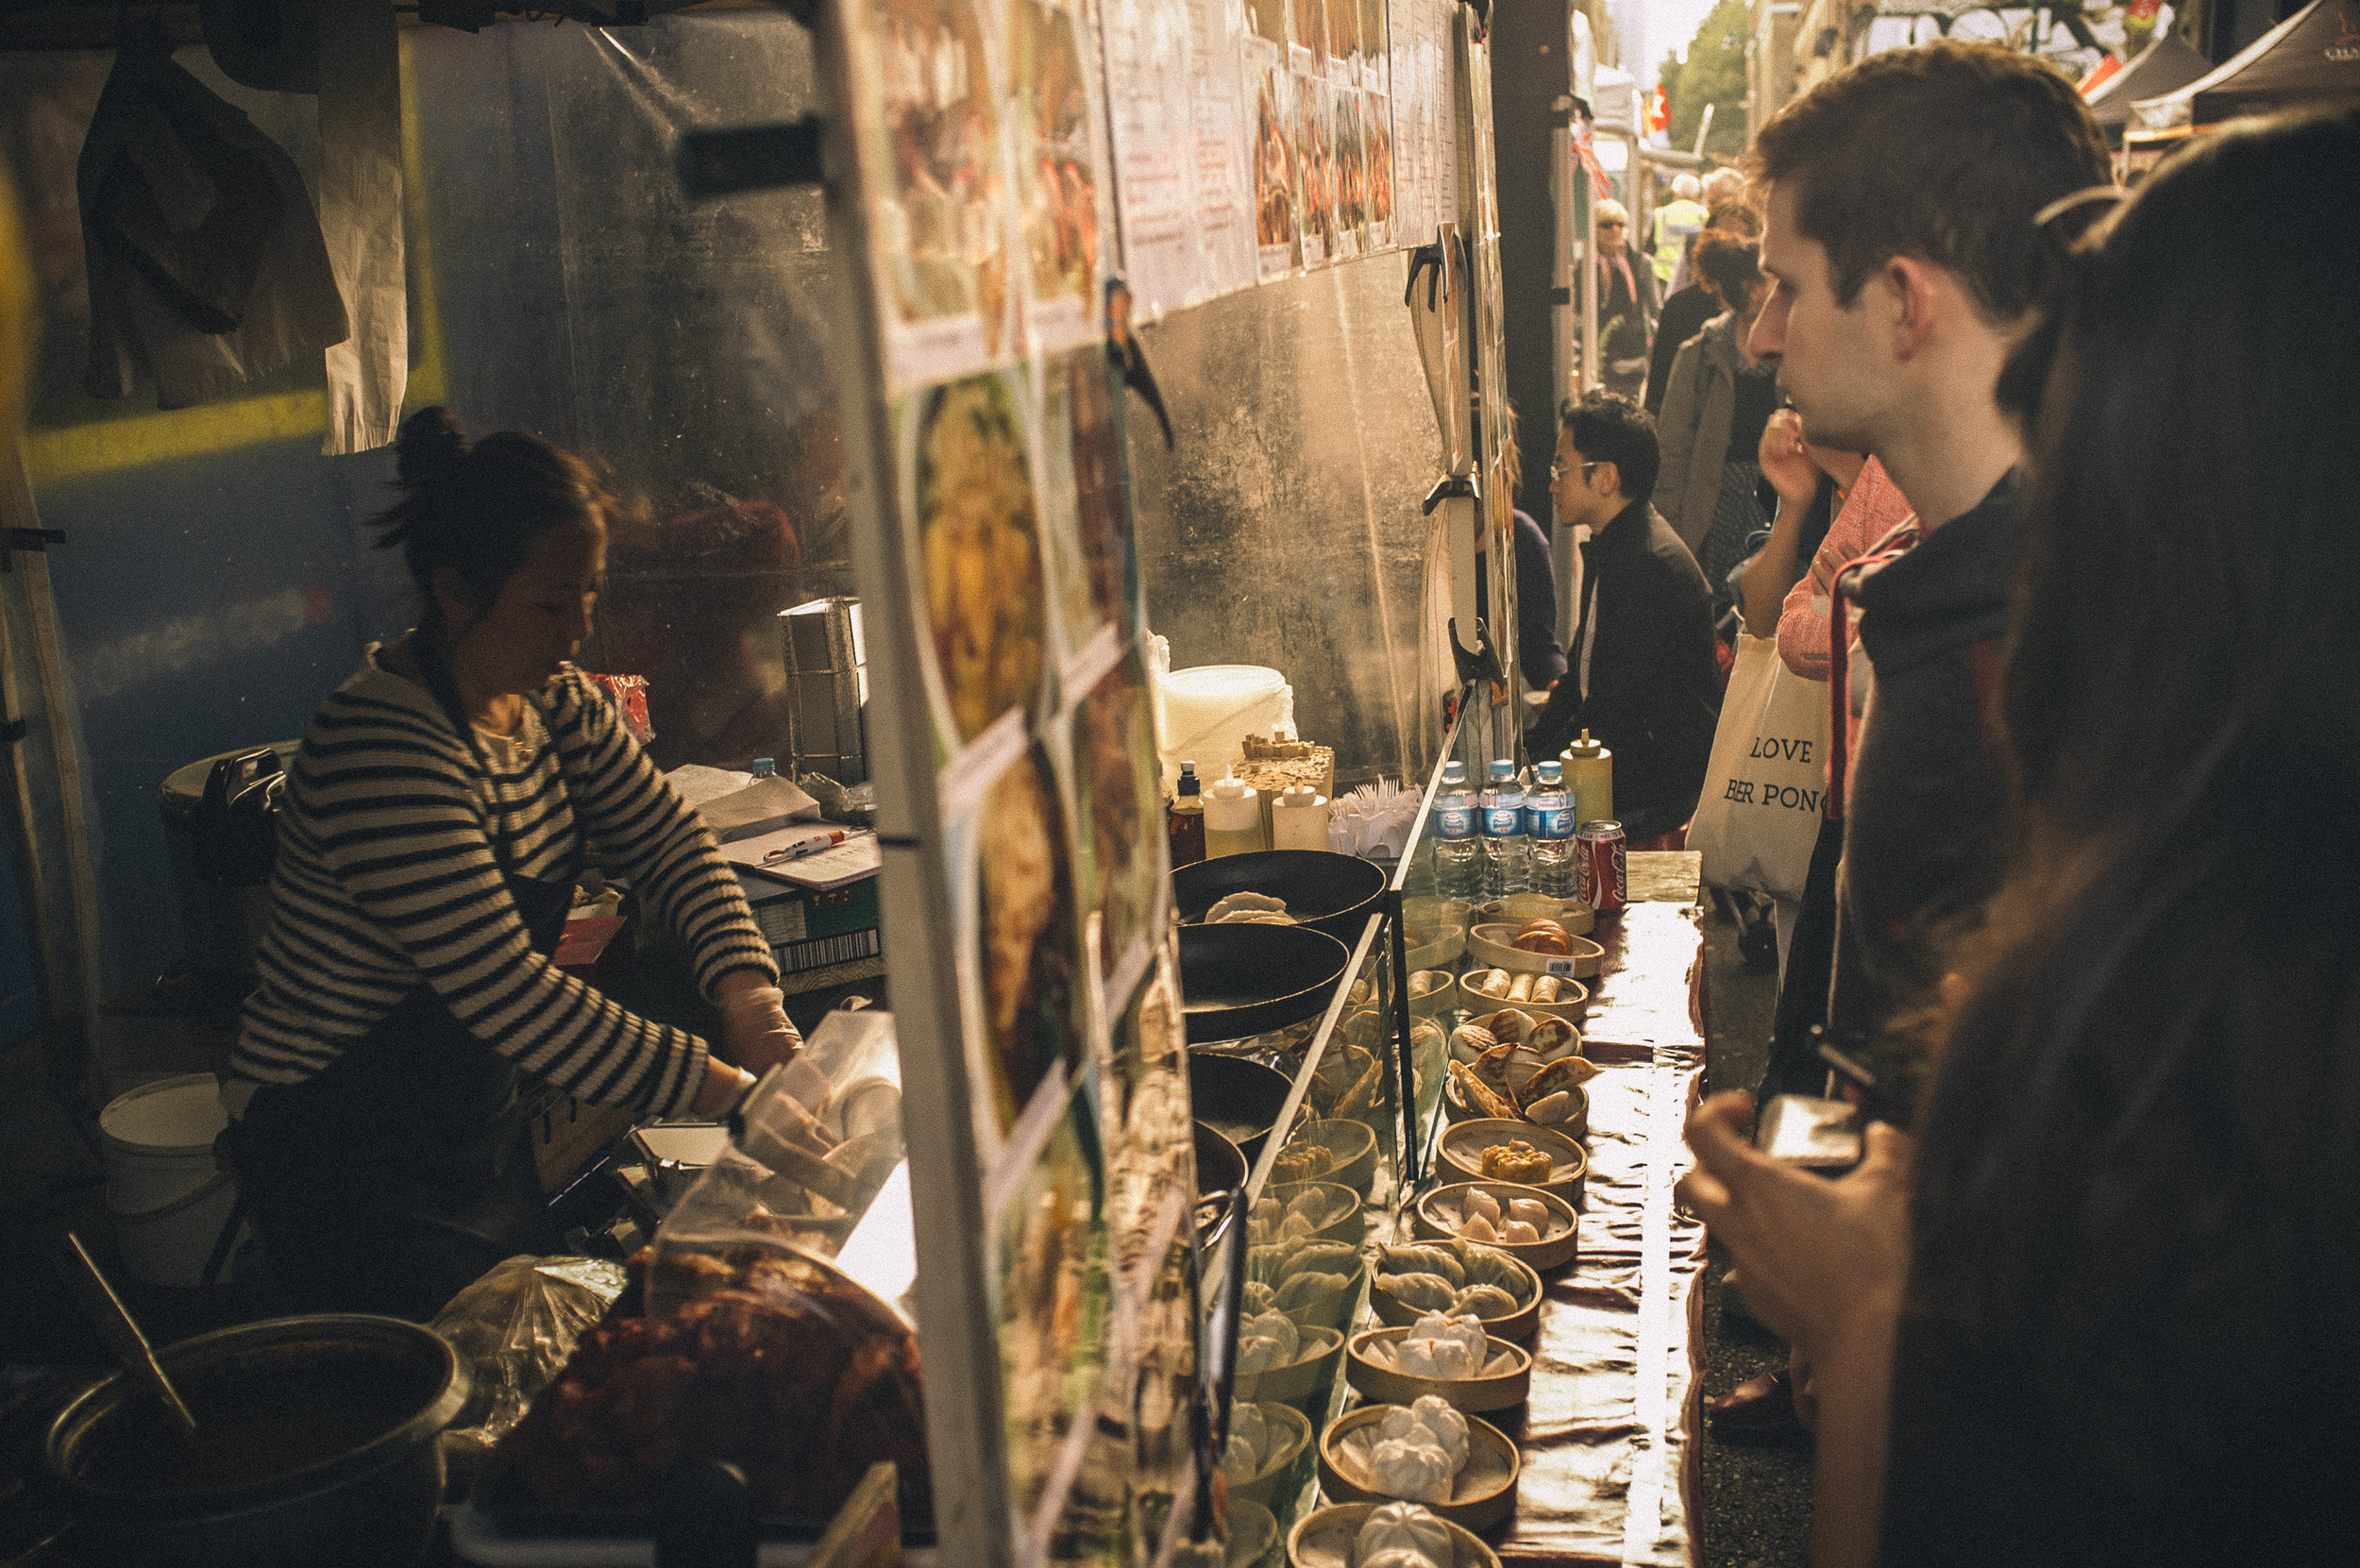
(1187, 822)
(1549, 823)
(1504, 869)
(1233, 819)
(1457, 871)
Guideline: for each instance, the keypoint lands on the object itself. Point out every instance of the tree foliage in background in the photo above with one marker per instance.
(1715, 73)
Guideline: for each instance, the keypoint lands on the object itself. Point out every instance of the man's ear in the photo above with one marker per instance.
(1914, 294)
(1612, 473)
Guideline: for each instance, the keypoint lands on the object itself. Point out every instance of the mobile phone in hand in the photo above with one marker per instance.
(1818, 1134)
(1877, 1100)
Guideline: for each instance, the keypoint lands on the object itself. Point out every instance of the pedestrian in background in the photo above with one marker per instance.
(1627, 302)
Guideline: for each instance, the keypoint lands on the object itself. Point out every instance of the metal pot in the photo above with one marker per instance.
(220, 836)
(317, 1442)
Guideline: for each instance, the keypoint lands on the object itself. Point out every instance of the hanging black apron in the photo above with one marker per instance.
(404, 1169)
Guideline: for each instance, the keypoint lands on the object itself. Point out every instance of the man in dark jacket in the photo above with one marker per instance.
(1642, 674)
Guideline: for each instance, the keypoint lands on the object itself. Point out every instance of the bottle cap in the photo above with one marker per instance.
(1189, 784)
(1503, 768)
(1454, 771)
(1551, 772)
(765, 768)
(1586, 748)
(1232, 789)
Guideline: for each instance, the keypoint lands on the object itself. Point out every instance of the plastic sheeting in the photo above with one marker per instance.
(1285, 527)
(574, 290)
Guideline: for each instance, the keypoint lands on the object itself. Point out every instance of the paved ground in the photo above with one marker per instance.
(1757, 1500)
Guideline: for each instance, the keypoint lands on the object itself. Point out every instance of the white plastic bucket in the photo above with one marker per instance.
(168, 1200)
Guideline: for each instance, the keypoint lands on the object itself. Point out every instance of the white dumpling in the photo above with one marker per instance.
(1248, 1444)
(1477, 1228)
(1517, 1230)
(1310, 1204)
(1415, 1467)
(1464, 1330)
(1438, 1416)
(1532, 1211)
(1479, 1202)
(1275, 1326)
(1258, 1354)
(1295, 1228)
(1430, 1356)
(1403, 1528)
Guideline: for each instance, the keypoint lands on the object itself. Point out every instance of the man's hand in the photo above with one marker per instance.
(1820, 1258)
(1784, 463)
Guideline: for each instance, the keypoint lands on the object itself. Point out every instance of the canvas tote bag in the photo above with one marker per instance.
(1759, 813)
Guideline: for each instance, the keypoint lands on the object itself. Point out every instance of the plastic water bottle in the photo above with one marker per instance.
(1505, 867)
(1549, 823)
(1456, 873)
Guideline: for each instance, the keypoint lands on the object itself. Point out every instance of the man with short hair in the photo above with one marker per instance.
(1905, 265)
(1642, 675)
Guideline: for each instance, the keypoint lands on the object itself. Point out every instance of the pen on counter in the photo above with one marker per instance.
(808, 847)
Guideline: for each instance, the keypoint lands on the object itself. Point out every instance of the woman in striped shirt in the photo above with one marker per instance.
(442, 805)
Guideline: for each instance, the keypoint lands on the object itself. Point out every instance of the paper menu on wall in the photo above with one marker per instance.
(1154, 153)
(1217, 107)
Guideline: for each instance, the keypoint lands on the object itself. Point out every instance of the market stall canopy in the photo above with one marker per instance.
(2162, 67)
(2312, 56)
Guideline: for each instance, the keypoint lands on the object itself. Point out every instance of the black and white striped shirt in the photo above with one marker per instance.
(385, 879)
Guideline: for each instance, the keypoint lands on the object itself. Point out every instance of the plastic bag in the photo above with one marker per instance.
(630, 693)
(515, 1328)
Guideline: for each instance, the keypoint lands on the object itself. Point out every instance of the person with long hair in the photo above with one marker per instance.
(2100, 1312)
(441, 809)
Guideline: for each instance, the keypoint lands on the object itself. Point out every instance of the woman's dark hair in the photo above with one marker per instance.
(2140, 1158)
(1729, 264)
(477, 507)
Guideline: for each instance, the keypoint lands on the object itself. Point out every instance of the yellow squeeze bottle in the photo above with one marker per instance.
(1589, 779)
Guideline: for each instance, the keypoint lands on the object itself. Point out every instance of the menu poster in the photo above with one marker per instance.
(1275, 231)
(1375, 49)
(1308, 33)
(1023, 989)
(1117, 831)
(1352, 175)
(1093, 570)
(965, 469)
(1054, 1306)
(935, 176)
(1055, 133)
(1155, 154)
(1377, 150)
(1315, 169)
(1216, 88)
(1444, 110)
(1342, 62)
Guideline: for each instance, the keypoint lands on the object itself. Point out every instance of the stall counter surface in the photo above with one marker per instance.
(1608, 1456)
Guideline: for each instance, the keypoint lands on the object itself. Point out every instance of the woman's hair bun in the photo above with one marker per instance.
(429, 443)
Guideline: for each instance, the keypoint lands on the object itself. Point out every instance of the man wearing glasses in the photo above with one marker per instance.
(1642, 674)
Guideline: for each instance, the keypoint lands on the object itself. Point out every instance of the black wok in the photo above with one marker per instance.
(1240, 979)
(1334, 893)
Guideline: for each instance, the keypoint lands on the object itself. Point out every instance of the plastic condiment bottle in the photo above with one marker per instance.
(1299, 819)
(1187, 821)
(765, 768)
(1233, 819)
(1589, 775)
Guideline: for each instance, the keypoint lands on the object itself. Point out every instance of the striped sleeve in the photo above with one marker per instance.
(642, 831)
(390, 811)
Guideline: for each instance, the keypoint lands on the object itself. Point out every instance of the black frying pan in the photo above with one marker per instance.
(1334, 893)
(1219, 1171)
(1237, 1099)
(1240, 979)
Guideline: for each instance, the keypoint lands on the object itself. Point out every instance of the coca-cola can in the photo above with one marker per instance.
(1601, 875)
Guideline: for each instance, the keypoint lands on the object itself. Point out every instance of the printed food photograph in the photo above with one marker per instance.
(1114, 758)
(942, 222)
(1026, 936)
(1351, 174)
(1315, 162)
(1057, 167)
(981, 541)
(1378, 151)
(1089, 507)
(1052, 1306)
(1274, 159)
(1311, 31)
